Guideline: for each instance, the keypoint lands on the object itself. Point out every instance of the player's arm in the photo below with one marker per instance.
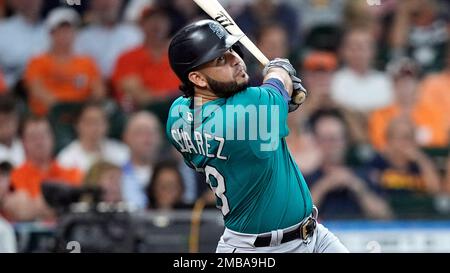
(282, 70)
(281, 75)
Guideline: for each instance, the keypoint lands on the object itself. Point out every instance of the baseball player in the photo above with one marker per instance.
(235, 134)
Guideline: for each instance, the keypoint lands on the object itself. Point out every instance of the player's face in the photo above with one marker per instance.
(226, 75)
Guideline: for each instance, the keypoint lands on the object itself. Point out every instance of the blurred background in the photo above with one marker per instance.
(85, 88)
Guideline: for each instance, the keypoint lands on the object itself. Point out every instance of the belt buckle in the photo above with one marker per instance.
(307, 229)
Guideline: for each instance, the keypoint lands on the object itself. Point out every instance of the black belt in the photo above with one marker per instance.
(304, 232)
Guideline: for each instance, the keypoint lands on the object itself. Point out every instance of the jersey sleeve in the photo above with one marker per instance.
(277, 85)
(274, 93)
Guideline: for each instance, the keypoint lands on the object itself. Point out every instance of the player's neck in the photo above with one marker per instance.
(204, 96)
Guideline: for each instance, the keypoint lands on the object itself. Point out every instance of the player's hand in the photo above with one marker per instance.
(299, 94)
(280, 63)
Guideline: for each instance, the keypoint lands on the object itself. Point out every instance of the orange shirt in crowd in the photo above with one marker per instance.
(434, 93)
(28, 177)
(156, 74)
(68, 81)
(431, 129)
(2, 83)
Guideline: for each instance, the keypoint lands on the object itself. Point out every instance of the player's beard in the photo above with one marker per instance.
(225, 89)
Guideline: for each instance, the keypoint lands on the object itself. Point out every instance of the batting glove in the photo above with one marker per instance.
(299, 94)
(281, 63)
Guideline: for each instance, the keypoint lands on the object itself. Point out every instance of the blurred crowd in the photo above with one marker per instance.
(85, 91)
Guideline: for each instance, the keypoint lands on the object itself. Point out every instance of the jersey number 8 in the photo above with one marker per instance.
(220, 189)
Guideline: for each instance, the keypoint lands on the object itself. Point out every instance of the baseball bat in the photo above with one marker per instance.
(214, 9)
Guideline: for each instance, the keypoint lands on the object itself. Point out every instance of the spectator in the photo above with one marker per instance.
(106, 37)
(260, 12)
(433, 94)
(11, 148)
(166, 189)
(357, 86)
(272, 40)
(374, 19)
(60, 75)
(143, 74)
(337, 190)
(359, 14)
(302, 144)
(144, 138)
(421, 30)
(26, 36)
(108, 178)
(8, 243)
(318, 13)
(92, 143)
(194, 182)
(27, 203)
(318, 69)
(181, 12)
(430, 124)
(3, 86)
(403, 167)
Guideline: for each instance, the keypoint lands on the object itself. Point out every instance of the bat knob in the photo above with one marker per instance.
(299, 98)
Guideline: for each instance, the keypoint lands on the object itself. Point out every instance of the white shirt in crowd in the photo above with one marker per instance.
(363, 93)
(8, 242)
(105, 45)
(135, 179)
(14, 154)
(21, 41)
(143, 175)
(74, 156)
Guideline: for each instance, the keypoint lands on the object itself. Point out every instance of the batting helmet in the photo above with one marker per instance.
(197, 44)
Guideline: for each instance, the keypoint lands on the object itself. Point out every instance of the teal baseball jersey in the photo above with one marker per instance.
(239, 143)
